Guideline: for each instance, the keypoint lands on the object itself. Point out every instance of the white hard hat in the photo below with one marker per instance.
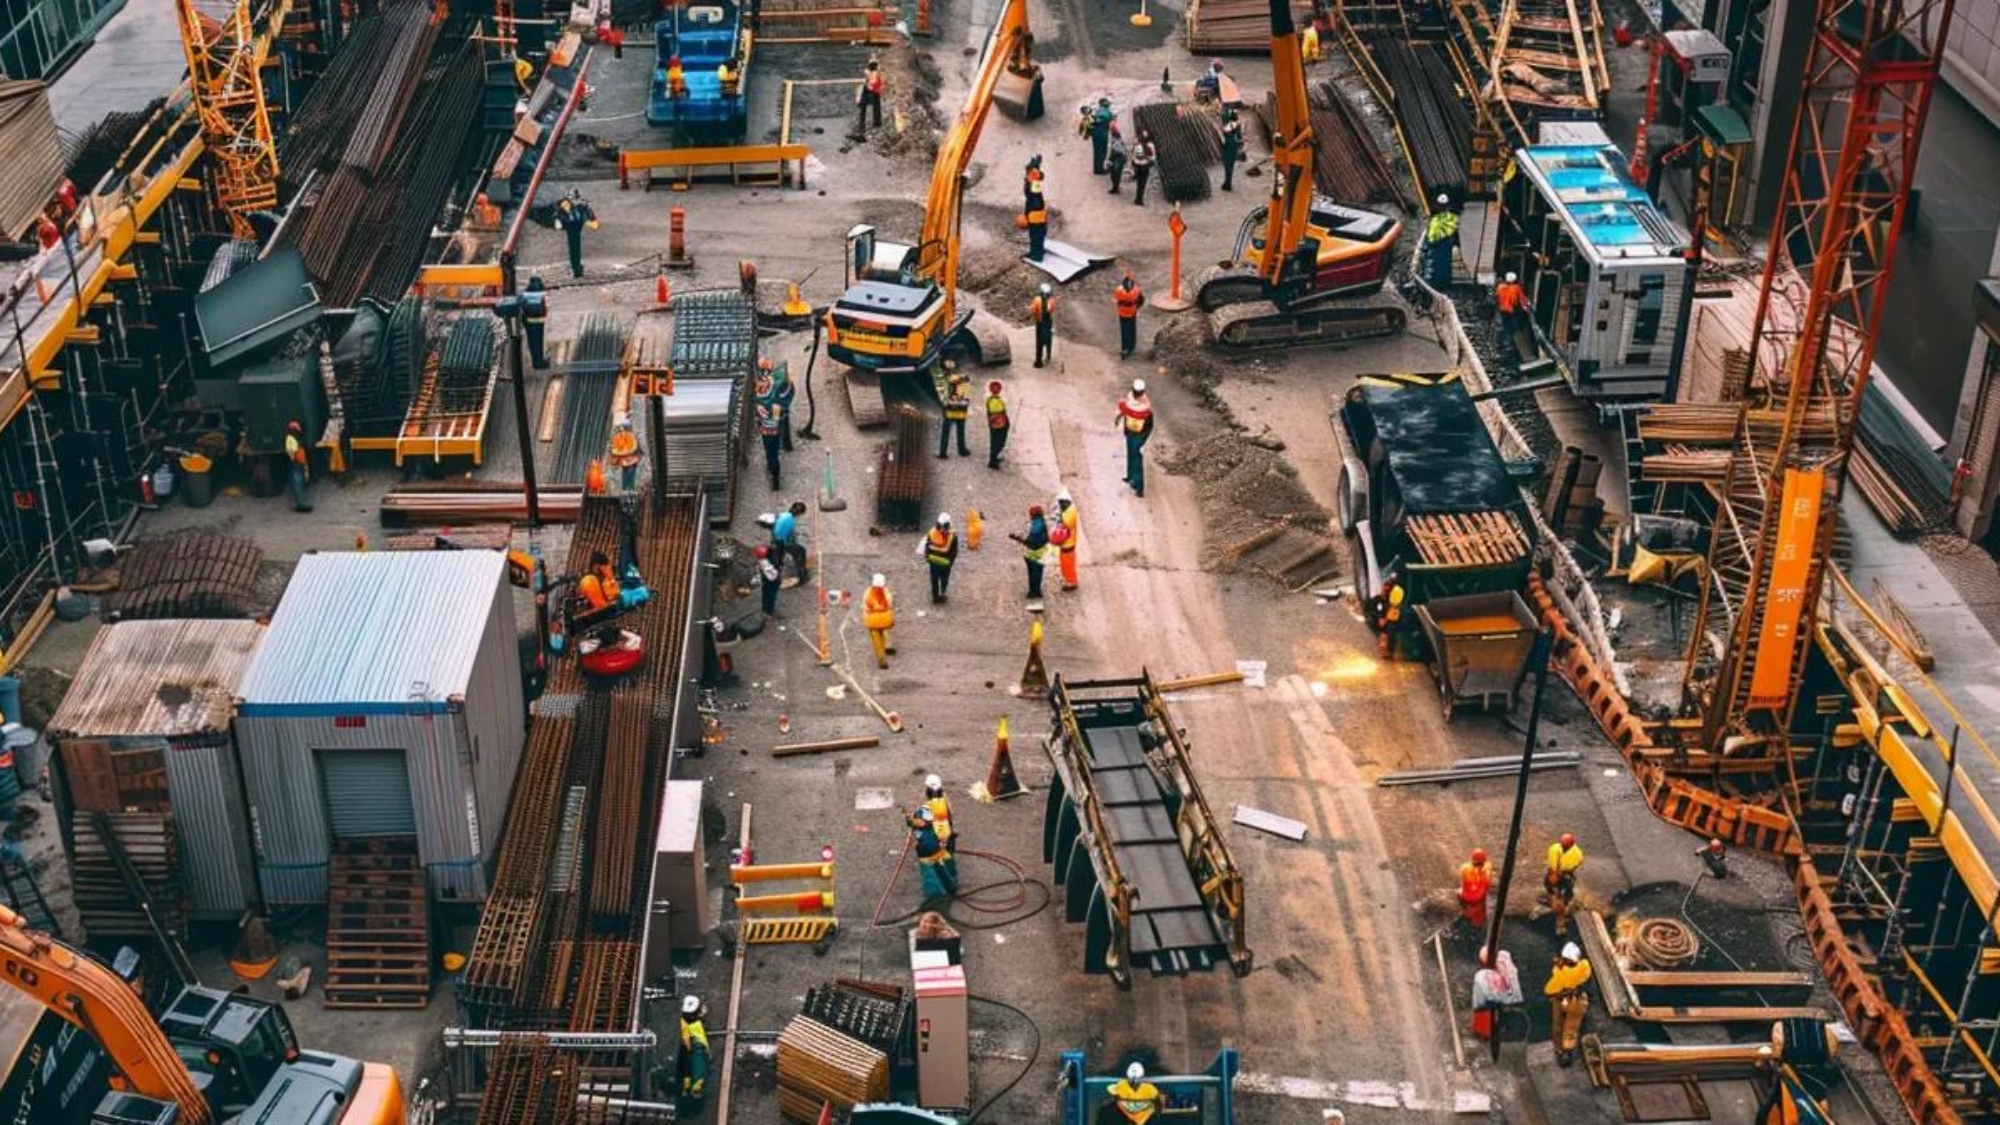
(1134, 1072)
(944, 519)
(1138, 386)
(879, 581)
(1046, 290)
(1063, 497)
(1512, 276)
(1571, 952)
(690, 1005)
(933, 782)
(1443, 198)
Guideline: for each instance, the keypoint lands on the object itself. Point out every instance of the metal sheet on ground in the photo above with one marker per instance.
(1064, 262)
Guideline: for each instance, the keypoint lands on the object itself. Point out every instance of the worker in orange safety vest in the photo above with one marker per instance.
(599, 585)
(1064, 532)
(1475, 880)
(1135, 421)
(878, 615)
(869, 97)
(1510, 301)
(1042, 312)
(1128, 297)
(300, 466)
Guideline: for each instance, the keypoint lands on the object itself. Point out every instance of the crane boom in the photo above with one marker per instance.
(1290, 211)
(225, 70)
(90, 996)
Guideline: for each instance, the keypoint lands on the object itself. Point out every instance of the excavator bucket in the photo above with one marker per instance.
(1019, 96)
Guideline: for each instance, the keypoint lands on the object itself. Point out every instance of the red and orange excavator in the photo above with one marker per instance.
(1300, 254)
(212, 1056)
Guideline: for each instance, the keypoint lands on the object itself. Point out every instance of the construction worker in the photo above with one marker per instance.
(625, 454)
(785, 542)
(1065, 534)
(1309, 43)
(1232, 148)
(299, 464)
(1135, 421)
(1128, 297)
(783, 391)
(1565, 859)
(1100, 134)
(767, 429)
(1496, 989)
(1115, 158)
(725, 76)
(524, 74)
(1567, 1000)
(1143, 155)
(869, 96)
(677, 86)
(1133, 1100)
(1042, 311)
(574, 216)
(1475, 881)
(599, 584)
(768, 581)
(612, 37)
(940, 551)
(957, 407)
(1034, 549)
(1035, 221)
(1440, 242)
(878, 616)
(997, 424)
(935, 863)
(694, 1054)
(1208, 88)
(1510, 301)
(535, 321)
(1714, 857)
(940, 809)
(1031, 183)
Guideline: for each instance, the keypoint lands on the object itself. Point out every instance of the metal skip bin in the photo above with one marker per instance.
(1479, 647)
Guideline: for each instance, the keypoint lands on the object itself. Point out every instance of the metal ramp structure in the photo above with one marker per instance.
(1138, 857)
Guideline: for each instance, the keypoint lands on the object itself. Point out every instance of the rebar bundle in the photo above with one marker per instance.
(1347, 164)
(1186, 141)
(405, 49)
(715, 334)
(904, 471)
(1436, 123)
(466, 366)
(875, 1020)
(590, 378)
(367, 368)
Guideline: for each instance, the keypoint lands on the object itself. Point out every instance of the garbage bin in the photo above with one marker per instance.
(197, 480)
(26, 745)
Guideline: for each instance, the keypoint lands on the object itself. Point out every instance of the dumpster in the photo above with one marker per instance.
(1480, 645)
(197, 480)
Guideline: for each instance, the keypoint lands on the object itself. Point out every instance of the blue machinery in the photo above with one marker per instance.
(703, 36)
(1208, 1098)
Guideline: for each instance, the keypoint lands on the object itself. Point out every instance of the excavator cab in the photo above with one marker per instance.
(236, 1042)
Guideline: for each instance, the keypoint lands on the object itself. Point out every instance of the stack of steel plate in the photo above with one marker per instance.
(699, 450)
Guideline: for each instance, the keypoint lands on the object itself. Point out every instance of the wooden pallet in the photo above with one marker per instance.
(378, 934)
(102, 899)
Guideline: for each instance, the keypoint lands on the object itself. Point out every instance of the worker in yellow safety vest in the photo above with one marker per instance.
(1440, 242)
(940, 807)
(1565, 860)
(878, 616)
(298, 465)
(1567, 1001)
(1134, 1101)
(1309, 43)
(725, 77)
(957, 407)
(940, 551)
(1064, 532)
(694, 1054)
(997, 424)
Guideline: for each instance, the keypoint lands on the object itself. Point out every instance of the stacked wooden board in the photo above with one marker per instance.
(1235, 27)
(104, 902)
(188, 576)
(378, 933)
(818, 1065)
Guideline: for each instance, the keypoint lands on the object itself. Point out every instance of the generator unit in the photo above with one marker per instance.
(1606, 271)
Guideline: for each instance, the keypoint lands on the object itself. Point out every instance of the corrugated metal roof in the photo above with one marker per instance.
(382, 631)
(168, 678)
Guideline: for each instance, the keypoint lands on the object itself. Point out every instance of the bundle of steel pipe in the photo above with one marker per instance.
(1186, 140)
(1235, 27)
(432, 149)
(1435, 123)
(324, 119)
(1347, 167)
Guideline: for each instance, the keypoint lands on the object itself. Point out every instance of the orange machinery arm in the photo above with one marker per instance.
(103, 1007)
(1008, 49)
(1292, 143)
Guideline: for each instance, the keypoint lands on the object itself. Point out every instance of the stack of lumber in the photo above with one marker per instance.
(34, 161)
(189, 575)
(1468, 539)
(103, 901)
(1235, 27)
(817, 1065)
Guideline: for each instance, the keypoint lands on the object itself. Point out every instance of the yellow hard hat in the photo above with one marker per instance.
(453, 962)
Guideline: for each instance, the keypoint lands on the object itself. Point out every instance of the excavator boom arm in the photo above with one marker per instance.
(103, 1007)
(1292, 141)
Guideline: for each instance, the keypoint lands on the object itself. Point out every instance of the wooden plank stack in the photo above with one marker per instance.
(1235, 27)
(817, 1064)
(151, 843)
(378, 932)
(189, 575)
(1468, 539)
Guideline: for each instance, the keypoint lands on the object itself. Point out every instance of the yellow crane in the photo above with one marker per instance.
(225, 70)
(900, 307)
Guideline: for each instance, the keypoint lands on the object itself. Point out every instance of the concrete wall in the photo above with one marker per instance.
(1972, 55)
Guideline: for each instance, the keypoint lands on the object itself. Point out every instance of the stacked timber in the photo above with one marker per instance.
(150, 843)
(1236, 27)
(189, 575)
(34, 161)
(1468, 539)
(818, 1065)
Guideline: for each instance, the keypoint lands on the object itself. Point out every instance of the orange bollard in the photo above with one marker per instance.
(677, 251)
(663, 294)
(593, 479)
(975, 529)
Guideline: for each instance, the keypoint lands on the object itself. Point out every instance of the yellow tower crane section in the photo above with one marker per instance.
(225, 69)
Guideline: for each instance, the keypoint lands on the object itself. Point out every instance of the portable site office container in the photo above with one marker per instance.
(1607, 275)
(153, 700)
(386, 703)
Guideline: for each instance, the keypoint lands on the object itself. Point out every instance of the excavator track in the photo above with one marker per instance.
(1262, 324)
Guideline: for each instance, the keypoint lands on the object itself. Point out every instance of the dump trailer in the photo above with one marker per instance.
(702, 38)
(1138, 857)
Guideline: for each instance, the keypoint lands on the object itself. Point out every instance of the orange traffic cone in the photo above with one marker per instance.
(1001, 783)
(1035, 677)
(663, 293)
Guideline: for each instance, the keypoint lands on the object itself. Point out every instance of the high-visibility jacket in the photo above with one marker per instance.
(1137, 1102)
(1042, 311)
(1032, 181)
(1565, 861)
(1035, 545)
(599, 588)
(1037, 215)
(940, 547)
(767, 419)
(878, 609)
(930, 844)
(693, 1034)
(874, 82)
(1567, 978)
(1309, 43)
(1129, 298)
(694, 1058)
(1072, 525)
(725, 75)
(996, 412)
(1509, 297)
(956, 404)
(676, 80)
(1443, 226)
(1136, 413)
(940, 807)
(295, 450)
(1474, 880)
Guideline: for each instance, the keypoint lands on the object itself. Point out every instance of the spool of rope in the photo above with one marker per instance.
(1664, 943)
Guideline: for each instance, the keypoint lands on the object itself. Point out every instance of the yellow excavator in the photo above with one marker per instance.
(1301, 259)
(900, 308)
(212, 1056)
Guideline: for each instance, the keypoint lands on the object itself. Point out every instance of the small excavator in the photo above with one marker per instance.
(1301, 260)
(900, 309)
(211, 1057)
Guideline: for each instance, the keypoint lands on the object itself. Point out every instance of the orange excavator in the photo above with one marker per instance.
(1301, 258)
(212, 1056)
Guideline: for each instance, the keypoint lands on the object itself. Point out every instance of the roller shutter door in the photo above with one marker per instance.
(367, 794)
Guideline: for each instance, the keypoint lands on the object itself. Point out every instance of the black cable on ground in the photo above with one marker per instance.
(1034, 1055)
(1016, 907)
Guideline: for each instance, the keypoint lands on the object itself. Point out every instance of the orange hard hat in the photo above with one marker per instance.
(1479, 855)
(1569, 839)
